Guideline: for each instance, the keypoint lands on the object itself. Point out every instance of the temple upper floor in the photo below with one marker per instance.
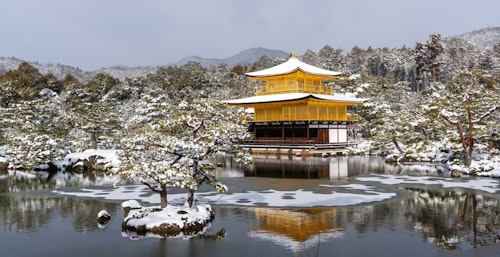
(297, 82)
(293, 76)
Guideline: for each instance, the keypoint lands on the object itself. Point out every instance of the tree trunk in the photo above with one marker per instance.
(395, 142)
(93, 138)
(162, 191)
(190, 198)
(397, 145)
(466, 147)
(194, 173)
(163, 198)
(471, 135)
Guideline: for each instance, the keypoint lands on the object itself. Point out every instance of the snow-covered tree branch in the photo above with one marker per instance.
(190, 134)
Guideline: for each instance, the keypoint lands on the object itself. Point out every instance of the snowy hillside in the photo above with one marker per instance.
(482, 38)
(123, 72)
(58, 70)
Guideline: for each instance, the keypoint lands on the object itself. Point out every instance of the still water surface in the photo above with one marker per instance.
(422, 220)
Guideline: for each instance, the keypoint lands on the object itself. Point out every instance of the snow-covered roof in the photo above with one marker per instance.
(294, 96)
(293, 64)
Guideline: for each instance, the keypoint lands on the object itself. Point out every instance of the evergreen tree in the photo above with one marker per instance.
(427, 61)
(332, 59)
(175, 151)
(98, 121)
(35, 135)
(310, 57)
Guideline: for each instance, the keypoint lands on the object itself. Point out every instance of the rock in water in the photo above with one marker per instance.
(103, 217)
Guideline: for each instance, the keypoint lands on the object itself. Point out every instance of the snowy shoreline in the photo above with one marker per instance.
(108, 161)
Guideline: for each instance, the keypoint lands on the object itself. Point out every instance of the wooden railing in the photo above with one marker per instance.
(282, 89)
(305, 116)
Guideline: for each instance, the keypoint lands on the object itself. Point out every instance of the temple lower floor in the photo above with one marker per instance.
(300, 132)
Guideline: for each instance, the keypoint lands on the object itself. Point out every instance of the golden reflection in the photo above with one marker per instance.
(296, 229)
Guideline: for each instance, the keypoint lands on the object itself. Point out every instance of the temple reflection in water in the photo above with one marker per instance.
(303, 168)
(296, 229)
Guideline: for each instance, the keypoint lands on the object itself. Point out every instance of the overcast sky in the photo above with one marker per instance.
(90, 34)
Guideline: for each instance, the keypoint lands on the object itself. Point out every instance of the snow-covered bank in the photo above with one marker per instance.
(486, 164)
(91, 159)
(3, 159)
(103, 159)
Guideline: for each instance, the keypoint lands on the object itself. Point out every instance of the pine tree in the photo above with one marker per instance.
(35, 135)
(427, 61)
(100, 123)
(175, 150)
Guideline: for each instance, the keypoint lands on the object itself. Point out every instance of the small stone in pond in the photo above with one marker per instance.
(103, 217)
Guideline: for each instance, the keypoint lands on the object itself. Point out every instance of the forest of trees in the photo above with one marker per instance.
(440, 94)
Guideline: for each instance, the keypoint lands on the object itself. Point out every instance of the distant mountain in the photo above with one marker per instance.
(479, 39)
(482, 38)
(243, 58)
(122, 72)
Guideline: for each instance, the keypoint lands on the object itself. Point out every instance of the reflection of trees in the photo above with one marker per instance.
(20, 181)
(447, 218)
(28, 214)
(24, 183)
(84, 213)
(19, 214)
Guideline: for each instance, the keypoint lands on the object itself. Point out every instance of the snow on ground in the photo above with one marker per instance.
(153, 218)
(179, 215)
(3, 155)
(495, 173)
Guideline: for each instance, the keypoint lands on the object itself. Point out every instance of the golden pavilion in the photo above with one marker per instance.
(294, 107)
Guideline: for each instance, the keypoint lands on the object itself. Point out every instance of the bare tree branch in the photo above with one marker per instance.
(151, 187)
(206, 153)
(452, 122)
(486, 114)
(179, 156)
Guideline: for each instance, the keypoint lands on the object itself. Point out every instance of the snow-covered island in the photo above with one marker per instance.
(171, 221)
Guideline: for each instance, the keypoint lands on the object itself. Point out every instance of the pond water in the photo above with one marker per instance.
(338, 206)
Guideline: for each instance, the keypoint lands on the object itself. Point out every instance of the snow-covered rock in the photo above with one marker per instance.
(103, 213)
(130, 205)
(96, 160)
(103, 218)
